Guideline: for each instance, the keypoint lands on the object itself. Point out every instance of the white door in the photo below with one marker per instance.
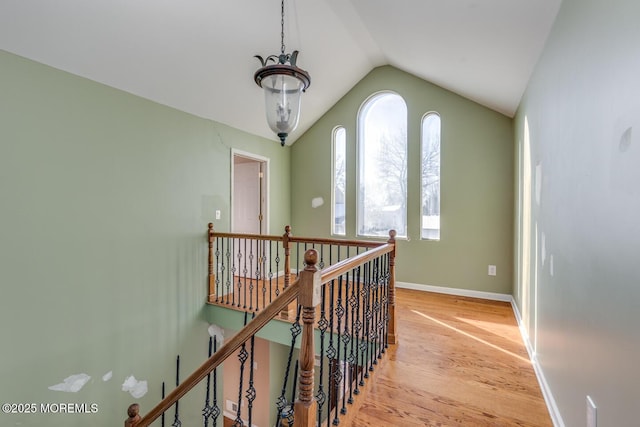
(247, 196)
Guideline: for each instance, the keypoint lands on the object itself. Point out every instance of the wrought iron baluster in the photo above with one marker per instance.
(217, 269)
(244, 275)
(353, 355)
(370, 323)
(176, 416)
(321, 263)
(321, 396)
(243, 355)
(331, 352)
(251, 391)
(262, 268)
(387, 277)
(346, 338)
(253, 282)
(236, 272)
(285, 409)
(359, 327)
(376, 311)
(162, 416)
(277, 260)
(230, 269)
(364, 343)
(211, 411)
(338, 371)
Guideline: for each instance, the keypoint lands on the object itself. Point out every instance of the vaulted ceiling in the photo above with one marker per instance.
(197, 55)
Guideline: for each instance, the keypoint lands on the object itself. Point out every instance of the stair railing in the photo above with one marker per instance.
(308, 289)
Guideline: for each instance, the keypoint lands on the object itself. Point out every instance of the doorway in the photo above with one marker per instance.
(249, 193)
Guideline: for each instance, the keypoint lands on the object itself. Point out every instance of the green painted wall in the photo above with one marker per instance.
(578, 282)
(105, 198)
(476, 184)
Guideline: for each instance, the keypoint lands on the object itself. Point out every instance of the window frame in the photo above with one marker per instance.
(362, 111)
(426, 116)
(334, 141)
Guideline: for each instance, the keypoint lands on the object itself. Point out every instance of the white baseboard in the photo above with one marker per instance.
(554, 412)
(493, 296)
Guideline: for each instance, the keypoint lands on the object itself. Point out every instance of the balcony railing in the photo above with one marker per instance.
(344, 291)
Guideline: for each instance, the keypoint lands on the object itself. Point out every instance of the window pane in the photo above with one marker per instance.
(382, 168)
(339, 179)
(430, 177)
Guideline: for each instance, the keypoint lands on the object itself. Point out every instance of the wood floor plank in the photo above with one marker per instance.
(459, 362)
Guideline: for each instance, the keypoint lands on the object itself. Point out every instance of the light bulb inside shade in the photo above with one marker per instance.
(282, 102)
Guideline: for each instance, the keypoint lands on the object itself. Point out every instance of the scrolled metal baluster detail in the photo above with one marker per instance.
(176, 416)
(244, 274)
(360, 322)
(356, 326)
(211, 411)
(217, 279)
(243, 355)
(331, 350)
(277, 260)
(338, 375)
(346, 339)
(321, 396)
(282, 402)
(230, 270)
(251, 391)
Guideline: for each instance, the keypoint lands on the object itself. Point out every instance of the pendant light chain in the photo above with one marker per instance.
(282, 27)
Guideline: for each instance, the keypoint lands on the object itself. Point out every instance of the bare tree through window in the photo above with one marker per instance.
(430, 174)
(382, 167)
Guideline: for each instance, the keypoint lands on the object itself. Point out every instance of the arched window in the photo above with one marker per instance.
(430, 174)
(382, 165)
(339, 138)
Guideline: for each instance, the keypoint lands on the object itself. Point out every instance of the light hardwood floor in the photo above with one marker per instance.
(459, 362)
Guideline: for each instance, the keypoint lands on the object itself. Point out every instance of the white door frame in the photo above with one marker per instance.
(265, 183)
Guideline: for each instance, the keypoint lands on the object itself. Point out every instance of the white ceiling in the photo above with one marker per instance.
(197, 55)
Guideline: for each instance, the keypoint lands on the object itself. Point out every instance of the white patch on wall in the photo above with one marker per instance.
(538, 183)
(316, 202)
(106, 377)
(136, 388)
(218, 332)
(72, 384)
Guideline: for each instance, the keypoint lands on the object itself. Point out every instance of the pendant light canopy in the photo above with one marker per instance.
(283, 83)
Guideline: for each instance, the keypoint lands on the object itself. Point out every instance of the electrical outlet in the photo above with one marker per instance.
(218, 214)
(592, 413)
(492, 270)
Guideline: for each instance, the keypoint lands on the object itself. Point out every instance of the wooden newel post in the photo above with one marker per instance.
(393, 336)
(133, 411)
(305, 407)
(212, 276)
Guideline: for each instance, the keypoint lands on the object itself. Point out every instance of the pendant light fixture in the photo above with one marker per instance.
(283, 83)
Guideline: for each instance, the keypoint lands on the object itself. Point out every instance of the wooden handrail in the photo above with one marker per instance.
(261, 319)
(338, 242)
(247, 236)
(292, 238)
(336, 270)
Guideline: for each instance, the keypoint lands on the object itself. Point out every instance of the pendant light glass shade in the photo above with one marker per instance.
(283, 83)
(283, 86)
